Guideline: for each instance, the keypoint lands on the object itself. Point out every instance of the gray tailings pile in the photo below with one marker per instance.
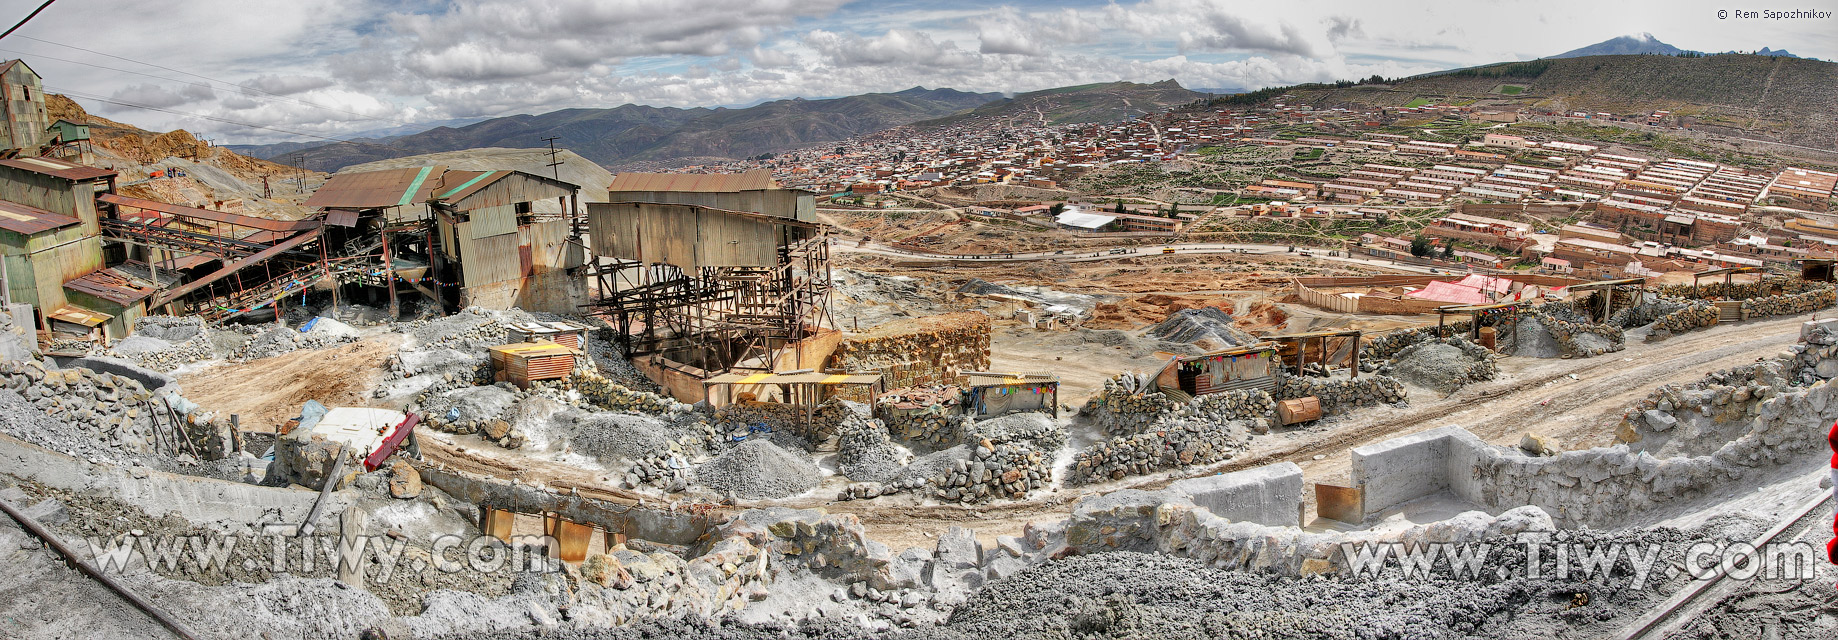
(1206, 430)
(1207, 326)
(757, 469)
(1443, 364)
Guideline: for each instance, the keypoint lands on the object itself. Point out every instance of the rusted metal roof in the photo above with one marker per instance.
(207, 214)
(59, 168)
(699, 182)
(29, 220)
(456, 185)
(377, 189)
(112, 285)
(341, 217)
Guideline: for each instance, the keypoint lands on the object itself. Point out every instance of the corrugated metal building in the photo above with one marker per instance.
(505, 255)
(24, 104)
(49, 234)
(753, 191)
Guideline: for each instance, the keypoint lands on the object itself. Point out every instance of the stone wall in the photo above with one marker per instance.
(918, 352)
(114, 410)
(1696, 314)
(1789, 304)
(1340, 395)
(1210, 428)
(1127, 405)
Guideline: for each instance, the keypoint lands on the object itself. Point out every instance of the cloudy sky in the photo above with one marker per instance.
(332, 68)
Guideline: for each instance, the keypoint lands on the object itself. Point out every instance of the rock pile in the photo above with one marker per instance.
(271, 340)
(1178, 443)
(1789, 304)
(1377, 350)
(729, 575)
(602, 393)
(1579, 339)
(864, 453)
(1647, 312)
(1127, 404)
(819, 426)
(930, 417)
(1205, 325)
(1036, 429)
(993, 471)
(110, 409)
(757, 469)
(1443, 364)
(1695, 314)
(1343, 394)
(164, 343)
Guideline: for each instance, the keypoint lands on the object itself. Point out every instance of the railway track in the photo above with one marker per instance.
(1700, 595)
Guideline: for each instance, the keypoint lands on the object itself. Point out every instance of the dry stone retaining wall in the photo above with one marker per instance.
(1789, 304)
(1339, 395)
(920, 352)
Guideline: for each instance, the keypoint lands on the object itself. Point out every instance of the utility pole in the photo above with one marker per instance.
(553, 163)
(300, 170)
(267, 192)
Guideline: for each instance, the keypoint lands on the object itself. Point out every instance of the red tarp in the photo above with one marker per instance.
(1450, 292)
(1487, 283)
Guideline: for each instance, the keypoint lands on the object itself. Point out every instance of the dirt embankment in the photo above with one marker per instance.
(268, 391)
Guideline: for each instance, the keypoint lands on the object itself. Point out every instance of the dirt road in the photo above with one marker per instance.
(268, 391)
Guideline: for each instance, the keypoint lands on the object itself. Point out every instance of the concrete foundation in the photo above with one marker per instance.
(1268, 495)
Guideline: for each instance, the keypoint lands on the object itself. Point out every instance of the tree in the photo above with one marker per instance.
(1057, 208)
(1173, 208)
(1118, 208)
(1448, 251)
(1419, 246)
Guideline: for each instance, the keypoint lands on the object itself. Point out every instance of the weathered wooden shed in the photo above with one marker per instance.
(1254, 367)
(24, 102)
(503, 254)
(49, 234)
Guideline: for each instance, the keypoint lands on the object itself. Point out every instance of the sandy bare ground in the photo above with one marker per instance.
(269, 391)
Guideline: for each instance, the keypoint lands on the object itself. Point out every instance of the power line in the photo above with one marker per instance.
(28, 18)
(227, 85)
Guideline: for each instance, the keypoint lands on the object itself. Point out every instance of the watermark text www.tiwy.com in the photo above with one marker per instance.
(378, 558)
(1538, 556)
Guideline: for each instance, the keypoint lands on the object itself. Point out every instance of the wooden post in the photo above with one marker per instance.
(389, 273)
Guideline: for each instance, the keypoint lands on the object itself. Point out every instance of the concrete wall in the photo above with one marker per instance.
(1268, 495)
(1402, 469)
(637, 522)
(1327, 301)
(682, 386)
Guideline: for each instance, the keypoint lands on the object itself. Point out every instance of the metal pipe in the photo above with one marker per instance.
(159, 615)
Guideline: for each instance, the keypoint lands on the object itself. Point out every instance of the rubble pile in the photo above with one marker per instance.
(1699, 417)
(1575, 336)
(1695, 314)
(865, 453)
(112, 410)
(1647, 312)
(267, 341)
(472, 329)
(1443, 364)
(1037, 429)
(918, 352)
(164, 343)
(1375, 351)
(757, 469)
(1342, 394)
(632, 584)
(1177, 443)
(602, 393)
(1789, 304)
(1127, 404)
(924, 416)
(994, 470)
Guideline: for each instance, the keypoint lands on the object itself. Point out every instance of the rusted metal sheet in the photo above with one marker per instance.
(507, 188)
(207, 214)
(1345, 504)
(687, 236)
(698, 182)
(1296, 410)
(58, 168)
(571, 539)
(26, 220)
(341, 217)
(377, 189)
(112, 285)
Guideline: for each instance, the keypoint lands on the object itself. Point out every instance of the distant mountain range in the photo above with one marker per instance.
(1646, 44)
(633, 134)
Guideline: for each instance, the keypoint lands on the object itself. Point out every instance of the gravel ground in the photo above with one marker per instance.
(759, 469)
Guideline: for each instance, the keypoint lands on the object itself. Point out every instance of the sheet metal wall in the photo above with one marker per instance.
(681, 235)
(785, 203)
(53, 194)
(493, 221)
(510, 190)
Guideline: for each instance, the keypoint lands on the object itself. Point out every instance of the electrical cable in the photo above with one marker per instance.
(22, 21)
